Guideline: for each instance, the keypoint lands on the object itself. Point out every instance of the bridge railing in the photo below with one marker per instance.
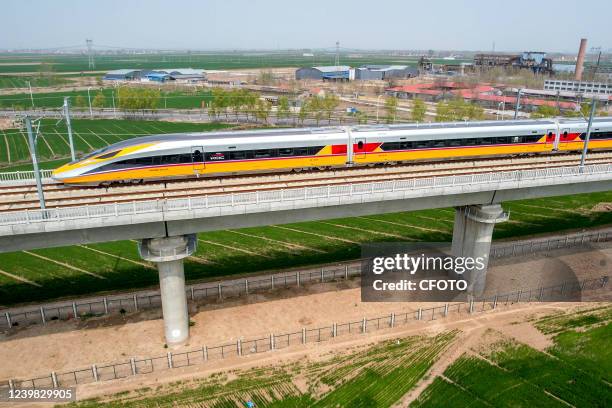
(17, 177)
(418, 185)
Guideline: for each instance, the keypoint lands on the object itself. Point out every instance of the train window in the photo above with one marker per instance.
(486, 141)
(439, 143)
(185, 158)
(285, 152)
(406, 145)
(421, 144)
(173, 159)
(468, 142)
(109, 155)
(454, 142)
(262, 153)
(238, 155)
(516, 139)
(313, 150)
(300, 151)
(391, 146)
(197, 156)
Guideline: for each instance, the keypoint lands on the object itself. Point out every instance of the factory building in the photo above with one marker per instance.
(578, 86)
(327, 73)
(123, 75)
(385, 72)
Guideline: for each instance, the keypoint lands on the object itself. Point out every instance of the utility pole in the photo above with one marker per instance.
(518, 103)
(89, 99)
(31, 96)
(69, 126)
(590, 125)
(91, 64)
(337, 61)
(32, 143)
(114, 109)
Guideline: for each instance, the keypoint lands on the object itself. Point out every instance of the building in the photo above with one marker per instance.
(578, 86)
(154, 76)
(533, 60)
(385, 72)
(327, 73)
(123, 75)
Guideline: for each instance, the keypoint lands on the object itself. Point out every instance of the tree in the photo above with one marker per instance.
(99, 101)
(249, 100)
(80, 102)
(137, 98)
(220, 102)
(262, 110)
(265, 78)
(442, 112)
(418, 110)
(283, 108)
(316, 107)
(391, 108)
(362, 118)
(544, 111)
(235, 101)
(304, 111)
(329, 105)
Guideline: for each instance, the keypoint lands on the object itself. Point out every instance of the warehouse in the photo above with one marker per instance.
(327, 73)
(123, 75)
(385, 72)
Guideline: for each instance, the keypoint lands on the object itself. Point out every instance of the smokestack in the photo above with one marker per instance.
(580, 60)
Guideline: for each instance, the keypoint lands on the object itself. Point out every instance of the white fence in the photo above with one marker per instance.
(23, 177)
(395, 189)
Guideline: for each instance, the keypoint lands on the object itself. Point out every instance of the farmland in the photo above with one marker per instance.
(35, 81)
(60, 272)
(53, 148)
(212, 61)
(168, 99)
(575, 371)
(373, 377)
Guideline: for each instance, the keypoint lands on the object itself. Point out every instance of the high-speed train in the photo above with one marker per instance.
(251, 151)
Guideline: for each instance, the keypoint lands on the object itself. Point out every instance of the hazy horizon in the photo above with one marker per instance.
(227, 25)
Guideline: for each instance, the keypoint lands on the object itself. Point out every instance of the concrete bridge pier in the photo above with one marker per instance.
(169, 253)
(472, 236)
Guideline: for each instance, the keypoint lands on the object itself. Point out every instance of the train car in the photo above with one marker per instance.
(242, 152)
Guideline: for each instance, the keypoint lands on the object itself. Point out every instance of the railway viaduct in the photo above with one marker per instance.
(166, 228)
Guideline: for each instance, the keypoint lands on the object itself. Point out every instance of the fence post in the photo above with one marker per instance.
(297, 278)
(169, 359)
(363, 325)
(135, 303)
(419, 314)
(74, 310)
(321, 274)
(445, 309)
(192, 293)
(94, 372)
(471, 305)
(239, 347)
(133, 365)
(272, 282)
(11, 385)
(495, 302)
(563, 287)
(42, 315)
(8, 319)
(246, 286)
(303, 335)
(272, 345)
(105, 305)
(205, 353)
(392, 322)
(345, 272)
(220, 294)
(334, 330)
(541, 295)
(520, 294)
(54, 379)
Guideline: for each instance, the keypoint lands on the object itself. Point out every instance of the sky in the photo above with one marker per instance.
(514, 25)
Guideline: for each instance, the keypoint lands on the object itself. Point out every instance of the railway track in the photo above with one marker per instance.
(17, 198)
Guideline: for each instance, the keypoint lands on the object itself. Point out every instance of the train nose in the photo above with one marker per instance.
(59, 174)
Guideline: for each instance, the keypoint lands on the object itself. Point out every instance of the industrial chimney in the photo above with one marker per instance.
(580, 60)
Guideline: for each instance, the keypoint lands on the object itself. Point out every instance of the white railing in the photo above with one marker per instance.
(418, 185)
(23, 176)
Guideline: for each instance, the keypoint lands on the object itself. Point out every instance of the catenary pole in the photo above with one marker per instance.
(69, 126)
(590, 125)
(518, 103)
(32, 142)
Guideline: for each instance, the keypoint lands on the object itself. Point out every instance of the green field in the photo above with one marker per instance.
(168, 99)
(575, 371)
(229, 60)
(375, 377)
(53, 147)
(7, 81)
(70, 271)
